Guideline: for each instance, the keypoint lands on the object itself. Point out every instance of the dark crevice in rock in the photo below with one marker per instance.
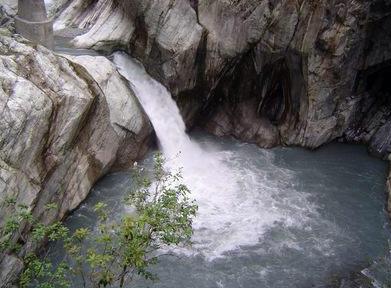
(140, 37)
(275, 99)
(380, 9)
(373, 118)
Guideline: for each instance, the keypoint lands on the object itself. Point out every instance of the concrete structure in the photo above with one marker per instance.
(32, 22)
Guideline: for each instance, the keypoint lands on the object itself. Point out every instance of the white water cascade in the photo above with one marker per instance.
(160, 107)
(237, 203)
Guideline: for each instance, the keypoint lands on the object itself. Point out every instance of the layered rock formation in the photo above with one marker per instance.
(270, 72)
(65, 122)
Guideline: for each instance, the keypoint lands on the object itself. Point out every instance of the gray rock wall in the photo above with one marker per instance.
(304, 58)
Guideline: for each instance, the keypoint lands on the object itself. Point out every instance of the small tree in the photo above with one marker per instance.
(118, 250)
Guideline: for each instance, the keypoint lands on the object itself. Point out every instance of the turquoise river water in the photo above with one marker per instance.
(301, 218)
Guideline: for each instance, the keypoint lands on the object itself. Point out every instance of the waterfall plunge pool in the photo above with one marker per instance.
(295, 218)
(284, 217)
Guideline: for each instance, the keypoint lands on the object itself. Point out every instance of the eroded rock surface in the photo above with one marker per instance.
(298, 62)
(65, 122)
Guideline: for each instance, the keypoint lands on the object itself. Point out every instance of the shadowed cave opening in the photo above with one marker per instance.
(378, 84)
(269, 86)
(276, 86)
(256, 97)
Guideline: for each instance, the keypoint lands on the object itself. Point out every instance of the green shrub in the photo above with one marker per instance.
(118, 250)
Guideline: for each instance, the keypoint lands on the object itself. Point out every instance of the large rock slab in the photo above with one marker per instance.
(65, 122)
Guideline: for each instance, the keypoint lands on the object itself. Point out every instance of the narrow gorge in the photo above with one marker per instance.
(237, 94)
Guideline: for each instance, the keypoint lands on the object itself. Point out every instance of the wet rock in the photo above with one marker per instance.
(245, 124)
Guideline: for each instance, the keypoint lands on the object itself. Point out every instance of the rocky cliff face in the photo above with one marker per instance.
(65, 122)
(270, 72)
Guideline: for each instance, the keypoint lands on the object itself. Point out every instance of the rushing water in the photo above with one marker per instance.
(161, 109)
(284, 217)
(227, 212)
(301, 218)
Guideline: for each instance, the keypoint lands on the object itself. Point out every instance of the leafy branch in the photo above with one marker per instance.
(114, 253)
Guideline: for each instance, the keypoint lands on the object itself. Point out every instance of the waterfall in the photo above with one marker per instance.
(161, 109)
(237, 201)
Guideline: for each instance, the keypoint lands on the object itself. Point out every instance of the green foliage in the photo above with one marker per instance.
(40, 273)
(12, 227)
(118, 250)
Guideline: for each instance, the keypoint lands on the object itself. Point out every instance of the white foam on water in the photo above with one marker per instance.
(238, 202)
